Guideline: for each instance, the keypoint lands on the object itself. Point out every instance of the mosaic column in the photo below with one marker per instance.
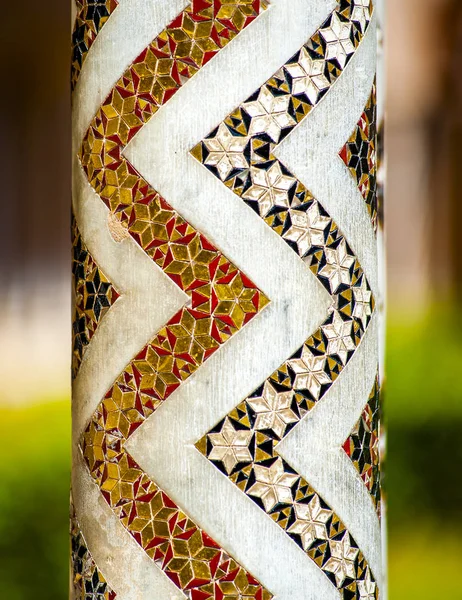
(226, 337)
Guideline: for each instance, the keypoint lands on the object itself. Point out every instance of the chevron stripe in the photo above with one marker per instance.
(360, 155)
(90, 19)
(240, 152)
(363, 446)
(94, 296)
(221, 301)
(87, 579)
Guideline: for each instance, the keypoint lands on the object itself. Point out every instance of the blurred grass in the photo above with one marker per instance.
(424, 423)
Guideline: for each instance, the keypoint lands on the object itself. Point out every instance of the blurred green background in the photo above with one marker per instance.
(424, 423)
(423, 400)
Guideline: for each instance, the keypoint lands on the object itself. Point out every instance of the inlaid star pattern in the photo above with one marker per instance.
(308, 228)
(269, 114)
(361, 13)
(339, 334)
(295, 215)
(342, 560)
(273, 484)
(309, 372)
(226, 152)
(270, 188)
(307, 76)
(367, 589)
(362, 308)
(273, 410)
(230, 446)
(338, 266)
(310, 522)
(87, 579)
(338, 40)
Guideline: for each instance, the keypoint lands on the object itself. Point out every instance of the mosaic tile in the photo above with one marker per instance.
(360, 155)
(88, 582)
(221, 300)
(94, 296)
(90, 19)
(240, 152)
(363, 446)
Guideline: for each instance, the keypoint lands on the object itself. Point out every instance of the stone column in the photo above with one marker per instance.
(225, 357)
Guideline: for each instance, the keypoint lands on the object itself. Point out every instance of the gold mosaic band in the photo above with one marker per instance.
(221, 301)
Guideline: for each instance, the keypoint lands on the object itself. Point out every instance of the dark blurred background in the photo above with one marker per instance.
(424, 355)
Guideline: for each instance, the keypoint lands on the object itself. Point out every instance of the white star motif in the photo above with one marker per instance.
(339, 335)
(361, 13)
(273, 410)
(226, 151)
(337, 269)
(342, 560)
(367, 588)
(230, 446)
(308, 77)
(269, 188)
(310, 522)
(273, 485)
(363, 302)
(307, 228)
(309, 372)
(269, 114)
(337, 37)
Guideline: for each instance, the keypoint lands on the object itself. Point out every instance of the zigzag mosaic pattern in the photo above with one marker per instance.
(89, 583)
(360, 155)
(240, 152)
(221, 301)
(363, 446)
(94, 296)
(90, 19)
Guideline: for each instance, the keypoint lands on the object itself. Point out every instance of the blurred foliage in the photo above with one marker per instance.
(34, 498)
(424, 424)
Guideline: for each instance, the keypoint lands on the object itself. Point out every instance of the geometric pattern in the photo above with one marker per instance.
(90, 19)
(89, 583)
(94, 296)
(240, 152)
(221, 300)
(360, 155)
(363, 446)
